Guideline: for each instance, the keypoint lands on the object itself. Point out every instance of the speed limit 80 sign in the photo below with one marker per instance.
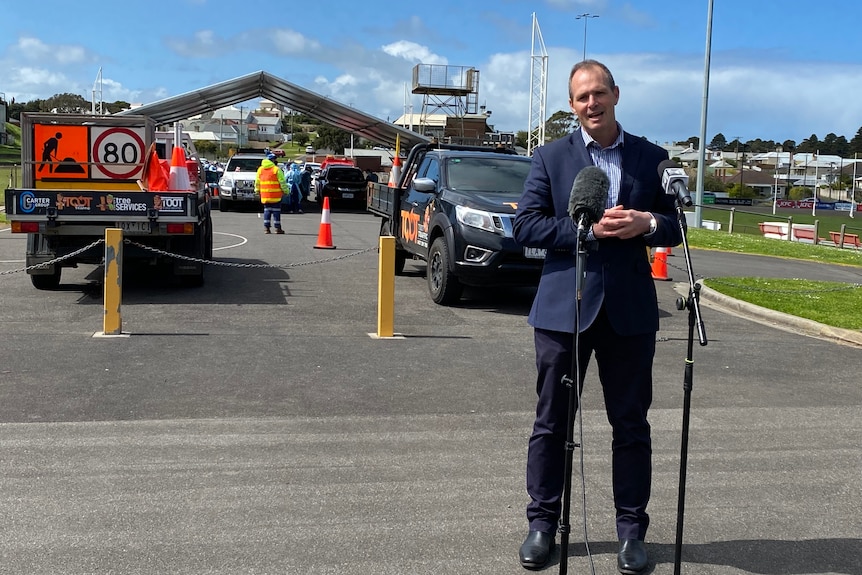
(117, 153)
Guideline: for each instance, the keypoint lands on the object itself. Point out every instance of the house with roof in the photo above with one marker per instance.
(235, 127)
(721, 169)
(268, 127)
(762, 181)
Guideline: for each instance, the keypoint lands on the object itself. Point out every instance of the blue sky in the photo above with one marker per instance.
(780, 69)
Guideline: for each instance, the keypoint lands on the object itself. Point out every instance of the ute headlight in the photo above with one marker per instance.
(500, 224)
(475, 218)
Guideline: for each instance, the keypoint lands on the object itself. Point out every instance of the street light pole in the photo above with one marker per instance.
(701, 162)
(585, 16)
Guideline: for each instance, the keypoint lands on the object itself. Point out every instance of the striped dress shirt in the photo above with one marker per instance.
(610, 160)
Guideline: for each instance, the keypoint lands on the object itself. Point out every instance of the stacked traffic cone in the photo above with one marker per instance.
(179, 178)
(659, 265)
(324, 236)
(395, 173)
(155, 176)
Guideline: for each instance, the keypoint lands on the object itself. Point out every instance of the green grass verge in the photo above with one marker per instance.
(746, 218)
(831, 303)
(748, 244)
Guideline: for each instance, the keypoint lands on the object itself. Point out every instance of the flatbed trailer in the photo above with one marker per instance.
(88, 177)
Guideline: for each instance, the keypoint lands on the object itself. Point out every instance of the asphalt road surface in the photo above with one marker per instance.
(252, 426)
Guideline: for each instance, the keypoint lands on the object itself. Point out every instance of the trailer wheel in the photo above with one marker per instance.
(47, 281)
(208, 238)
(443, 285)
(201, 247)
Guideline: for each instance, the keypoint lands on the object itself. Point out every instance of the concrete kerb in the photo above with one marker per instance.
(775, 318)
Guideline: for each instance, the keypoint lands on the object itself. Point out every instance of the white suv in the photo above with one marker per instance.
(237, 182)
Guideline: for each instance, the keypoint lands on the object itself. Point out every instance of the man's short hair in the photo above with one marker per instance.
(609, 78)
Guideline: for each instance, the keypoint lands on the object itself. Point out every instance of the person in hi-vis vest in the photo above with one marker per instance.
(270, 184)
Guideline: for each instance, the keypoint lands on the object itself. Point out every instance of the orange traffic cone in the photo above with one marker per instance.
(395, 174)
(179, 178)
(324, 236)
(155, 178)
(669, 252)
(659, 265)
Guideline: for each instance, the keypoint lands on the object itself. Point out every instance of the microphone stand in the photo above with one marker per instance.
(574, 394)
(692, 302)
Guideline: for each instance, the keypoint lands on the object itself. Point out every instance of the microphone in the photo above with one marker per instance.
(674, 180)
(588, 197)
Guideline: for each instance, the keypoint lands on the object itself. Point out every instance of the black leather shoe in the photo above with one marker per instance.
(536, 550)
(632, 558)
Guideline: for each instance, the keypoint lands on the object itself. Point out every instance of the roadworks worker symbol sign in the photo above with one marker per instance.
(61, 152)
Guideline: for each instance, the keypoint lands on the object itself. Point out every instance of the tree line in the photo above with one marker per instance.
(562, 123)
(63, 103)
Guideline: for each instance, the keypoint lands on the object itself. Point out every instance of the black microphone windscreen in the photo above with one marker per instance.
(589, 194)
(665, 165)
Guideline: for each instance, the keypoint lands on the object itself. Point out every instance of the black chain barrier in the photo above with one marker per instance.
(189, 258)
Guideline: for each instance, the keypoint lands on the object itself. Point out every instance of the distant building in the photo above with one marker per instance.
(237, 126)
(469, 129)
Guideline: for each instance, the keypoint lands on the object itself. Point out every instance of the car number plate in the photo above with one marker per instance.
(347, 195)
(535, 253)
(139, 227)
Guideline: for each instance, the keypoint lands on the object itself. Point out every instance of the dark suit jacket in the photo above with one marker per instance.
(618, 272)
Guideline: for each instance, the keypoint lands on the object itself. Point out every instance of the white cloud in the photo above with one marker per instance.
(34, 50)
(32, 83)
(413, 52)
(292, 42)
(504, 87)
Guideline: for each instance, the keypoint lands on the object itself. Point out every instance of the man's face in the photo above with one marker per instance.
(593, 101)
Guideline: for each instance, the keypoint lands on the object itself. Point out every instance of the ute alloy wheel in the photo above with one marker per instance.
(443, 285)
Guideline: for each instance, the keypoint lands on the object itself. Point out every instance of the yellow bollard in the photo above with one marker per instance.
(386, 287)
(113, 324)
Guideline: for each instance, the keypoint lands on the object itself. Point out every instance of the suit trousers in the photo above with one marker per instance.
(625, 372)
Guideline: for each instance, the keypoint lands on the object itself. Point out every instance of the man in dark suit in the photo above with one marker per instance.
(616, 317)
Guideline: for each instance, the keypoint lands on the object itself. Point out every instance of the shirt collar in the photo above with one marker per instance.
(588, 140)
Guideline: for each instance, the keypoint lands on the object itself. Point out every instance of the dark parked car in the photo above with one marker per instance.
(342, 185)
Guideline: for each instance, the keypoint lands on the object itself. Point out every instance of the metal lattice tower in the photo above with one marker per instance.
(538, 89)
(451, 90)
